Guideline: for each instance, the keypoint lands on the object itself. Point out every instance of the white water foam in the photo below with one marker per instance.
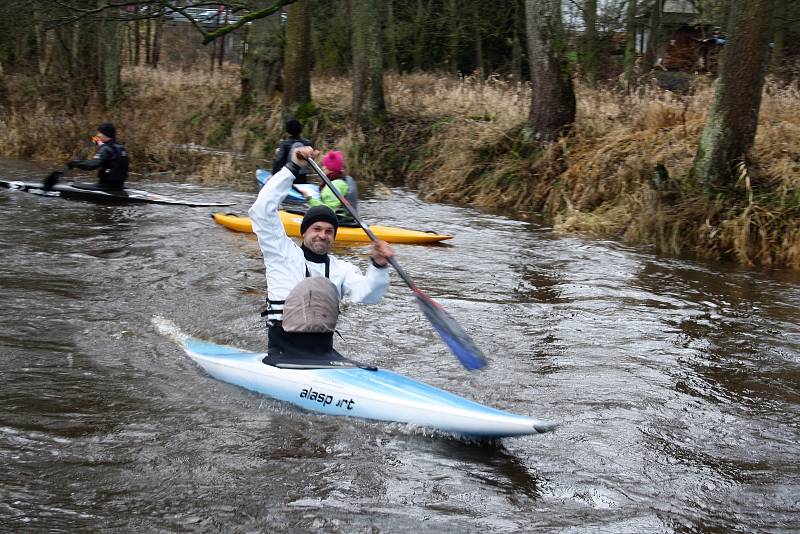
(168, 329)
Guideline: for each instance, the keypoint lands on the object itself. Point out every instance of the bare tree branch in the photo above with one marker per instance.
(157, 8)
(259, 14)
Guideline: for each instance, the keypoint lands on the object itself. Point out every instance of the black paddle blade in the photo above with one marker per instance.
(52, 179)
(451, 333)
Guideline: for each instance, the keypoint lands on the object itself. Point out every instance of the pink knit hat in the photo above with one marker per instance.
(333, 161)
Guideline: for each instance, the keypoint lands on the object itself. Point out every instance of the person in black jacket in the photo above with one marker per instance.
(110, 160)
(293, 128)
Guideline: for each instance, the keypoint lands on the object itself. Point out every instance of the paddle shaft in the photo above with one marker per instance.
(364, 226)
(448, 328)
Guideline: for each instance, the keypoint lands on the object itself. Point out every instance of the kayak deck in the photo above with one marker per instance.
(291, 223)
(295, 195)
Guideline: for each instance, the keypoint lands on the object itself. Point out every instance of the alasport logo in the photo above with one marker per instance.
(326, 399)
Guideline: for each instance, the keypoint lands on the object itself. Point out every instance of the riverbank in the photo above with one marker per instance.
(621, 175)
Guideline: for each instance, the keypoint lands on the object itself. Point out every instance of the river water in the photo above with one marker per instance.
(676, 383)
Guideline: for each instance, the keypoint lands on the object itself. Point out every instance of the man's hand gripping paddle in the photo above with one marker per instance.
(53, 178)
(445, 325)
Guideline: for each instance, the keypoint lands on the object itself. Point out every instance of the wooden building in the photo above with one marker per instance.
(669, 37)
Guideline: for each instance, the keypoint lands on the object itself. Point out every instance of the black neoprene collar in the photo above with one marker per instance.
(313, 256)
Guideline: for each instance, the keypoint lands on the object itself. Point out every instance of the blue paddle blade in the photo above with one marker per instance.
(459, 342)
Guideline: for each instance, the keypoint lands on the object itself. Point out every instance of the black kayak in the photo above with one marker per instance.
(124, 196)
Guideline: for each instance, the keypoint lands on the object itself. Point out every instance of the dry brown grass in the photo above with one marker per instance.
(600, 181)
(158, 111)
(459, 140)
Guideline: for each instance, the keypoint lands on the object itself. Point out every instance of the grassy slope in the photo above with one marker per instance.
(459, 140)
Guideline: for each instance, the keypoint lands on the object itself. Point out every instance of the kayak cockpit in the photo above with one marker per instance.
(329, 360)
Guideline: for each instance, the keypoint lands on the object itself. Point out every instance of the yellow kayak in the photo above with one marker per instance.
(291, 223)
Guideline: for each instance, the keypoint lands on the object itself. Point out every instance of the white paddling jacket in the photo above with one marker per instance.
(286, 265)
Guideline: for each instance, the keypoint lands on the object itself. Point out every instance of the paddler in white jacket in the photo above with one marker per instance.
(305, 283)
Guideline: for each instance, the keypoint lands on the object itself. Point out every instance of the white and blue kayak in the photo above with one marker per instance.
(364, 392)
(295, 196)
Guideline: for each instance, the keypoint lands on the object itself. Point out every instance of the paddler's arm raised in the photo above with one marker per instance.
(264, 211)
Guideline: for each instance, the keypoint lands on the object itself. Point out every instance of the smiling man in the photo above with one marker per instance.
(305, 283)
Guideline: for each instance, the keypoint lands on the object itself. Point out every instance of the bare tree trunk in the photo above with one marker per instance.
(3, 89)
(477, 36)
(43, 39)
(297, 58)
(88, 73)
(128, 49)
(589, 49)
(368, 99)
(725, 16)
(137, 38)
(109, 62)
(244, 46)
(212, 55)
(453, 35)
(20, 32)
(480, 68)
(391, 37)
(222, 42)
(60, 60)
(19, 35)
(516, 43)
(262, 69)
(630, 44)
(651, 50)
(553, 100)
(779, 38)
(156, 48)
(148, 42)
(516, 58)
(420, 41)
(732, 122)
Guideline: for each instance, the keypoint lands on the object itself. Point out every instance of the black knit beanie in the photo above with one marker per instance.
(319, 213)
(108, 130)
(293, 127)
